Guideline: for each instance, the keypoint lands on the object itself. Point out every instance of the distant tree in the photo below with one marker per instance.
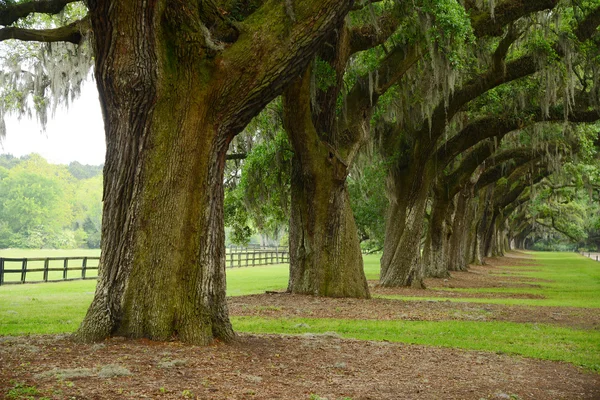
(8, 161)
(33, 208)
(81, 171)
(44, 205)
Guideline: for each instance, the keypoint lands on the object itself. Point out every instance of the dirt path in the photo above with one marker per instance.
(282, 367)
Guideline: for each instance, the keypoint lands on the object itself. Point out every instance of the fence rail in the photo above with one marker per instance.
(592, 255)
(256, 257)
(48, 269)
(56, 269)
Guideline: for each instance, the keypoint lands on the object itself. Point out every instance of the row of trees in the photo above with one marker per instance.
(44, 205)
(463, 107)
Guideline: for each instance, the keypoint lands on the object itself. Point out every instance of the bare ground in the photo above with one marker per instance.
(296, 367)
(284, 367)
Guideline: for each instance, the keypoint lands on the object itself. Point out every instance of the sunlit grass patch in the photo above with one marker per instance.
(565, 280)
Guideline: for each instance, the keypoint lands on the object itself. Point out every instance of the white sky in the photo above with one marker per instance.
(74, 134)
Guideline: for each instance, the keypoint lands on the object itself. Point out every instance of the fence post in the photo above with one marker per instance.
(83, 267)
(1, 271)
(239, 260)
(247, 254)
(46, 266)
(65, 267)
(23, 270)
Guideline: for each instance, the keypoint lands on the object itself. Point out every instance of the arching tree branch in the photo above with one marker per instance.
(11, 13)
(71, 33)
(504, 13)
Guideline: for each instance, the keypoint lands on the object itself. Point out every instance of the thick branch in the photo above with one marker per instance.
(368, 36)
(505, 13)
(522, 157)
(488, 127)
(391, 69)
(363, 3)
(71, 33)
(285, 49)
(240, 156)
(9, 14)
(449, 185)
(497, 76)
(506, 198)
(588, 27)
(557, 229)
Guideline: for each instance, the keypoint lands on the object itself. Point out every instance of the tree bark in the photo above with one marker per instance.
(325, 255)
(326, 259)
(437, 240)
(401, 261)
(460, 245)
(173, 97)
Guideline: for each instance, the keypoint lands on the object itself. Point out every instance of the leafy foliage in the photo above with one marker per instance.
(45, 206)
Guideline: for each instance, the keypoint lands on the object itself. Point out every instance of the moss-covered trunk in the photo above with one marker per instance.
(325, 255)
(401, 261)
(162, 272)
(460, 246)
(483, 218)
(438, 237)
(177, 81)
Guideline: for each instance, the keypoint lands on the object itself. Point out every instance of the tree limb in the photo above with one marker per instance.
(368, 36)
(505, 13)
(11, 13)
(588, 27)
(553, 226)
(240, 156)
(71, 33)
(359, 5)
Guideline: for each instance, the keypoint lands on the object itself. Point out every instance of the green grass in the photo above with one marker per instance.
(575, 282)
(59, 308)
(546, 342)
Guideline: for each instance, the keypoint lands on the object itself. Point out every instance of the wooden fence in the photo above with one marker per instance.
(593, 256)
(55, 269)
(251, 257)
(50, 269)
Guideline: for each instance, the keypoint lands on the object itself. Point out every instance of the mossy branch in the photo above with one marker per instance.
(11, 13)
(72, 33)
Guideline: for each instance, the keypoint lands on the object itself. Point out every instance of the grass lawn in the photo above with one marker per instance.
(59, 308)
(574, 282)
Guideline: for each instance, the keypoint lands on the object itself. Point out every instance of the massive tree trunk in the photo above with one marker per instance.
(162, 267)
(484, 215)
(438, 238)
(401, 261)
(173, 96)
(325, 255)
(461, 242)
